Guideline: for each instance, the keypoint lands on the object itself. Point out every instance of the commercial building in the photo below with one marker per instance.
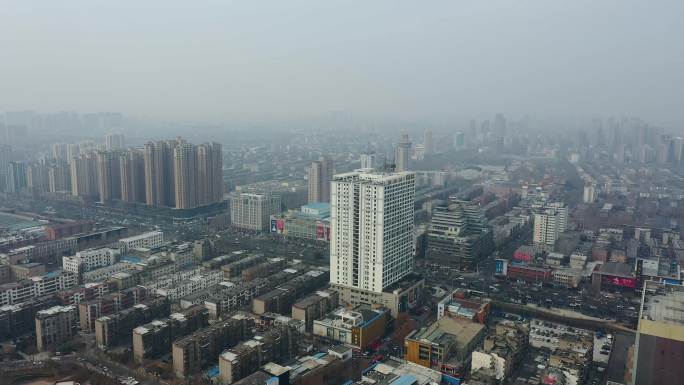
(659, 345)
(396, 371)
(613, 276)
(446, 345)
(149, 240)
(466, 305)
(55, 326)
(155, 338)
(398, 298)
(320, 175)
(567, 277)
(253, 211)
(357, 328)
(372, 222)
(198, 350)
(311, 222)
(459, 236)
(528, 273)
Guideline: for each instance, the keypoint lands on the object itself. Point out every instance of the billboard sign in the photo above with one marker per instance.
(619, 281)
(501, 267)
(273, 226)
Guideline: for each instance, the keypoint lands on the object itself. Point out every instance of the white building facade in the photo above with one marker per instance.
(150, 240)
(372, 226)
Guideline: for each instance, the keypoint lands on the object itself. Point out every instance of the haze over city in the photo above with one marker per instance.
(241, 61)
(341, 193)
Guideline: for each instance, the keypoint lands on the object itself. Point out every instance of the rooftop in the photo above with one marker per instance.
(616, 268)
(663, 303)
(461, 331)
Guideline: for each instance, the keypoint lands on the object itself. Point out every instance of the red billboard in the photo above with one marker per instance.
(618, 281)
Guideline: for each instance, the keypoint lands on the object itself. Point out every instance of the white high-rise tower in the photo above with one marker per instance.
(371, 245)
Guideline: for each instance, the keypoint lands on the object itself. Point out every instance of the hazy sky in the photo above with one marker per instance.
(283, 58)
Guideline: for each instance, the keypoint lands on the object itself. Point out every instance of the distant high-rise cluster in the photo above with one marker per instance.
(172, 173)
(320, 174)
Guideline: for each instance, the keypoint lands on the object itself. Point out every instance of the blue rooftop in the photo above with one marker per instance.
(318, 206)
(131, 258)
(213, 371)
(53, 273)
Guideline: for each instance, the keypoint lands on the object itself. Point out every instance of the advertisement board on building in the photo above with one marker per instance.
(612, 280)
(273, 226)
(501, 267)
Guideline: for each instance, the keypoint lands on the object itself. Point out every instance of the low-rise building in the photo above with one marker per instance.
(198, 350)
(115, 329)
(90, 259)
(502, 352)
(567, 277)
(357, 328)
(464, 304)
(55, 326)
(277, 344)
(149, 240)
(446, 345)
(314, 306)
(154, 339)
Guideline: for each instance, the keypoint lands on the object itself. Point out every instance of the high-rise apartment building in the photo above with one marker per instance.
(60, 152)
(132, 164)
(159, 189)
(84, 180)
(589, 195)
(369, 160)
(209, 173)
(5, 158)
(427, 142)
(59, 178)
(115, 142)
(549, 223)
(372, 224)
(37, 177)
(402, 154)
(185, 173)
(109, 176)
(320, 174)
(16, 177)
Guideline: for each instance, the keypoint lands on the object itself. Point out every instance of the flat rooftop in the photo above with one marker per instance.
(461, 331)
(616, 268)
(663, 303)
